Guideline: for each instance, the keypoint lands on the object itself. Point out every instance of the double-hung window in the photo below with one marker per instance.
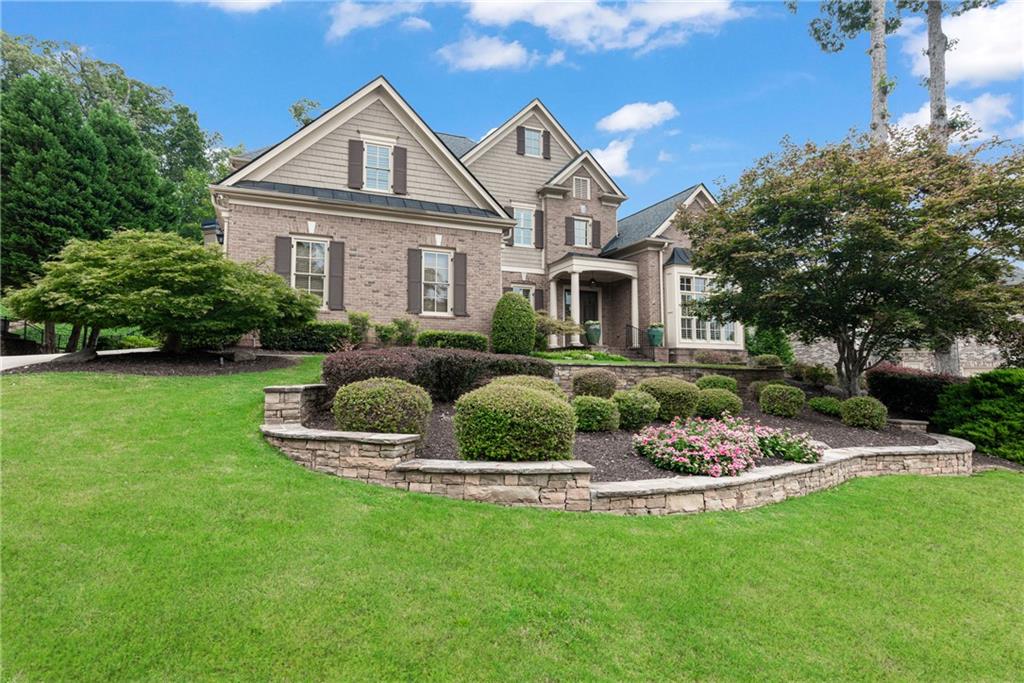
(525, 290)
(309, 266)
(534, 142)
(437, 282)
(378, 167)
(580, 188)
(523, 236)
(581, 232)
(692, 290)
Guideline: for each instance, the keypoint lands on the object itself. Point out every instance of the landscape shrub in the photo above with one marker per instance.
(577, 355)
(718, 382)
(382, 404)
(594, 382)
(514, 325)
(762, 341)
(756, 387)
(438, 339)
(127, 341)
(546, 326)
(406, 329)
(385, 333)
(676, 397)
(636, 408)
(906, 391)
(360, 324)
(322, 337)
(784, 401)
(715, 358)
(715, 402)
(548, 386)
(864, 412)
(509, 422)
(826, 405)
(196, 340)
(767, 360)
(988, 411)
(595, 414)
(819, 375)
(784, 445)
(797, 370)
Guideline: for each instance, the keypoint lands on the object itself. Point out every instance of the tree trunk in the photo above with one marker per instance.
(94, 337)
(937, 46)
(947, 359)
(849, 367)
(49, 337)
(76, 333)
(879, 75)
(172, 343)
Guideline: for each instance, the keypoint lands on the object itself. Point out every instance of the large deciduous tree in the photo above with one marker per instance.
(873, 247)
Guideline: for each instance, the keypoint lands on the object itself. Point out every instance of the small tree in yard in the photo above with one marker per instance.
(873, 247)
(514, 325)
(165, 285)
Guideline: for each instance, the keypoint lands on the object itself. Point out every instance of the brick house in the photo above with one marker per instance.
(372, 210)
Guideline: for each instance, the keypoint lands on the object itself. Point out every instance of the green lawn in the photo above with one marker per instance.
(149, 533)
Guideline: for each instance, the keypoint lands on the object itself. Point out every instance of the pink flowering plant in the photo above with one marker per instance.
(719, 447)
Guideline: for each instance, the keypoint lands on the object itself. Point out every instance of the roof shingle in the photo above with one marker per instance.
(643, 223)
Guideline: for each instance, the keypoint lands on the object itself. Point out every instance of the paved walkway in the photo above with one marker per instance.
(8, 362)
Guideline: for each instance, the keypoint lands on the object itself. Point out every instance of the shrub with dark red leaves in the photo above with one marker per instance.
(907, 391)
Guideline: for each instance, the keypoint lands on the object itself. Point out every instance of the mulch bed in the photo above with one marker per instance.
(160, 364)
(984, 463)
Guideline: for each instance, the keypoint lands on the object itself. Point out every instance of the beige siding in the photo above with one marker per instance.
(516, 178)
(522, 258)
(325, 164)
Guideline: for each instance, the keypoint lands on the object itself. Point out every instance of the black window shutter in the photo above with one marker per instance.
(538, 299)
(355, 164)
(283, 257)
(506, 290)
(570, 237)
(520, 140)
(547, 145)
(336, 276)
(595, 236)
(398, 184)
(538, 229)
(415, 281)
(460, 284)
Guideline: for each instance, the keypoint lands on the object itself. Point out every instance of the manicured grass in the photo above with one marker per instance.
(149, 533)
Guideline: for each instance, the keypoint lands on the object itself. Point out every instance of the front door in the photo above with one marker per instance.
(588, 307)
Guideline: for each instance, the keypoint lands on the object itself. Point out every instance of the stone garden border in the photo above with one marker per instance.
(390, 460)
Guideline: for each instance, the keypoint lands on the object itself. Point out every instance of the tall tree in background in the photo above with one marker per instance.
(304, 110)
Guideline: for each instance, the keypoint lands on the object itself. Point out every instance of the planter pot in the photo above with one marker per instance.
(655, 335)
(593, 334)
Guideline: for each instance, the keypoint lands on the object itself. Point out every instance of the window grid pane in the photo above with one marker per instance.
(523, 233)
(533, 142)
(435, 282)
(378, 167)
(310, 268)
(580, 228)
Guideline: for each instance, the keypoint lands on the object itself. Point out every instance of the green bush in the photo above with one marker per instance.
(594, 382)
(382, 405)
(826, 405)
(595, 414)
(637, 408)
(776, 443)
(909, 392)
(767, 341)
(715, 358)
(322, 337)
(757, 386)
(548, 386)
(577, 355)
(988, 411)
(784, 401)
(360, 324)
(864, 412)
(510, 422)
(819, 375)
(767, 360)
(715, 402)
(127, 341)
(385, 333)
(676, 397)
(438, 339)
(514, 325)
(718, 382)
(202, 341)
(405, 331)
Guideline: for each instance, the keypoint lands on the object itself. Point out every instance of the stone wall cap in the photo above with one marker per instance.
(292, 388)
(488, 467)
(293, 430)
(906, 421)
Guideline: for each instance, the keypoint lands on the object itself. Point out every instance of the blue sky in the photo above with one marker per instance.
(713, 85)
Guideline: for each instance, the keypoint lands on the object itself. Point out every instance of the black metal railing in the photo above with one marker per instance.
(637, 342)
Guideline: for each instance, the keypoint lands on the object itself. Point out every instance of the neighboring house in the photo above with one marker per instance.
(370, 209)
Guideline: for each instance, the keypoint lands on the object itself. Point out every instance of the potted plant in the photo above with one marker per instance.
(655, 333)
(593, 328)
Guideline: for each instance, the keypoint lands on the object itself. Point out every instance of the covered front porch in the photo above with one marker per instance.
(586, 288)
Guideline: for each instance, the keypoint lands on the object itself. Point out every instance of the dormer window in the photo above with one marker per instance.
(580, 187)
(378, 167)
(534, 146)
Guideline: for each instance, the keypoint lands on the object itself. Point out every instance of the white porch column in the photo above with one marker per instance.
(553, 311)
(575, 305)
(634, 303)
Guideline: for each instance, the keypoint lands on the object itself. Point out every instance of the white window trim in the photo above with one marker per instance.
(531, 290)
(673, 324)
(450, 313)
(327, 262)
(532, 210)
(540, 152)
(378, 142)
(586, 181)
(590, 231)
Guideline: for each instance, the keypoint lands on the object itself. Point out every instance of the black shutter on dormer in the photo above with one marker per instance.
(355, 164)
(520, 140)
(538, 229)
(398, 185)
(547, 145)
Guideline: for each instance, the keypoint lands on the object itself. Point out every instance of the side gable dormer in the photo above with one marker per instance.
(585, 178)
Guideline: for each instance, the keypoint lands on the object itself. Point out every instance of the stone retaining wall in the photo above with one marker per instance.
(629, 375)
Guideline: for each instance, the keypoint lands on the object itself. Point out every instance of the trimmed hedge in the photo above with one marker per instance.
(864, 412)
(756, 387)
(385, 333)
(594, 382)
(636, 408)
(826, 405)
(438, 339)
(509, 422)
(767, 360)
(988, 411)
(360, 324)
(382, 405)
(784, 401)
(445, 373)
(718, 382)
(714, 402)
(715, 358)
(548, 386)
(322, 337)
(676, 397)
(514, 325)
(909, 392)
(595, 414)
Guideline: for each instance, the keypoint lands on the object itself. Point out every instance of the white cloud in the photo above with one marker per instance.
(665, 157)
(1016, 130)
(556, 57)
(638, 116)
(988, 45)
(987, 111)
(480, 53)
(615, 159)
(348, 16)
(243, 6)
(591, 26)
(416, 24)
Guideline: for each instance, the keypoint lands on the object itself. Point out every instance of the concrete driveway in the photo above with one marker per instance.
(9, 362)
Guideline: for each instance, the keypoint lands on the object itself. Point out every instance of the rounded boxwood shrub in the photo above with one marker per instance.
(440, 339)
(784, 401)
(756, 387)
(594, 382)
(864, 412)
(714, 402)
(988, 411)
(636, 408)
(768, 360)
(548, 386)
(676, 397)
(819, 375)
(514, 325)
(595, 414)
(510, 422)
(826, 405)
(718, 382)
(382, 405)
